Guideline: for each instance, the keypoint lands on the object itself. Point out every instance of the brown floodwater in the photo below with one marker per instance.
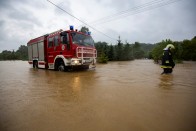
(118, 96)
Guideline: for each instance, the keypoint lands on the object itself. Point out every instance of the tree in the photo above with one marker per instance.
(13, 55)
(103, 58)
(101, 47)
(189, 49)
(193, 43)
(102, 51)
(84, 29)
(157, 51)
(6, 55)
(111, 53)
(147, 48)
(178, 51)
(119, 50)
(22, 52)
(138, 53)
(127, 54)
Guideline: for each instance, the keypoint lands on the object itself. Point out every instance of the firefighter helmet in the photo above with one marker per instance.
(169, 46)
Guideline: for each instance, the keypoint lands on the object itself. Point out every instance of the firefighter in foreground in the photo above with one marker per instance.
(167, 60)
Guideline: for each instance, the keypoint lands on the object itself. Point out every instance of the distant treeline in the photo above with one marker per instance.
(20, 54)
(184, 50)
(122, 52)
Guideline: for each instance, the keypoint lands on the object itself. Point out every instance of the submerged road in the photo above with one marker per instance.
(118, 96)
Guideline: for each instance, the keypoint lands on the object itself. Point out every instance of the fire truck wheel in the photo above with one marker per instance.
(61, 67)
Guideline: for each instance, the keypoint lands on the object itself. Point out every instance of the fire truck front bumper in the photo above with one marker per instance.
(78, 61)
(75, 62)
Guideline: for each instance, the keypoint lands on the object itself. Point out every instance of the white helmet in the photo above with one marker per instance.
(169, 46)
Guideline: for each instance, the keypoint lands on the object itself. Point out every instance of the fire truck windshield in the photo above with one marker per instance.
(82, 40)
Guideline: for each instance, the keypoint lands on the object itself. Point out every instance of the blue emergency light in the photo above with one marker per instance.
(71, 27)
(88, 33)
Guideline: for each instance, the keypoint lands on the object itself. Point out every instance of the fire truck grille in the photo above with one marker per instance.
(86, 52)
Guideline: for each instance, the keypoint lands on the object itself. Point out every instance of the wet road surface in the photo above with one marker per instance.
(118, 96)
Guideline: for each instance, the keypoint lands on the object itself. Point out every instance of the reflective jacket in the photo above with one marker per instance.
(167, 60)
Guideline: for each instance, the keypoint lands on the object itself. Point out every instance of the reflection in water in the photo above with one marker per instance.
(166, 81)
(76, 84)
(76, 88)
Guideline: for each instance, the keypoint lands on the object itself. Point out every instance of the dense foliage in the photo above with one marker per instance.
(122, 52)
(20, 54)
(184, 50)
(84, 29)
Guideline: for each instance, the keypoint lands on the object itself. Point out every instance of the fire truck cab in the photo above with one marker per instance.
(62, 50)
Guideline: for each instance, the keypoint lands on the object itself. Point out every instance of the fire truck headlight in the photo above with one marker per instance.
(76, 61)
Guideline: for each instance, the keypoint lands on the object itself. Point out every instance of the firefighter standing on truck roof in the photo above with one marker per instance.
(167, 60)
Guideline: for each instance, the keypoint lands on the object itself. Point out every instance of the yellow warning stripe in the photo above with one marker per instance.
(166, 66)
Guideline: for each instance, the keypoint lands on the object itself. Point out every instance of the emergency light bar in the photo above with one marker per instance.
(71, 27)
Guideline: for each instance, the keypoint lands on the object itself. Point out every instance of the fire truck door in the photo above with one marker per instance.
(66, 46)
(57, 47)
(50, 49)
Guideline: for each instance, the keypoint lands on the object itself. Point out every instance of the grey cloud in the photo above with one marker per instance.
(13, 3)
(24, 15)
(39, 4)
(118, 5)
(14, 19)
(10, 11)
(4, 4)
(4, 38)
(2, 24)
(65, 5)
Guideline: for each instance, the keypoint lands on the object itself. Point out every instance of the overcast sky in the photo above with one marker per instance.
(143, 21)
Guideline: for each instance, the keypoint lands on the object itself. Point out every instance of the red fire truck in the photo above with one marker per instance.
(62, 50)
